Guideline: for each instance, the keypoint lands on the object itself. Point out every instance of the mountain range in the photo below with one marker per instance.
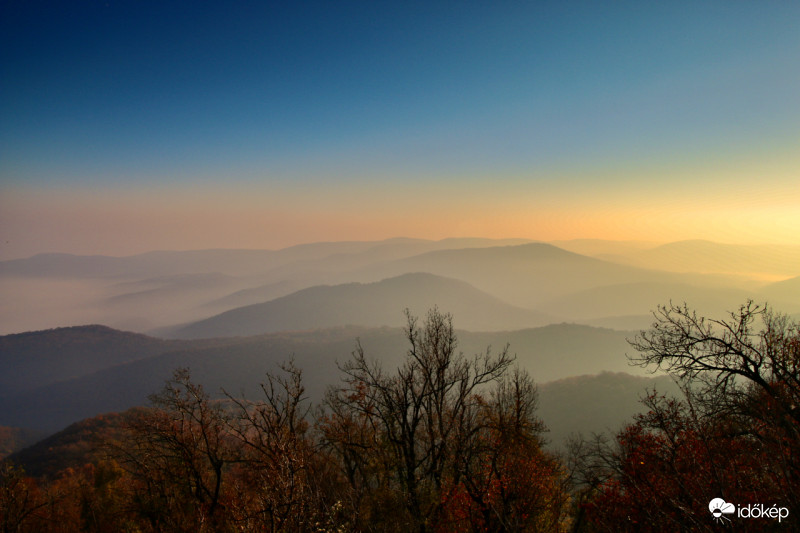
(554, 356)
(566, 309)
(365, 304)
(238, 365)
(605, 285)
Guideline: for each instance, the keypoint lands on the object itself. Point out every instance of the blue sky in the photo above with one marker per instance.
(299, 106)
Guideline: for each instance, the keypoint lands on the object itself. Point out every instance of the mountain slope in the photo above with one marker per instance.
(370, 304)
(787, 291)
(155, 289)
(548, 353)
(525, 275)
(595, 403)
(78, 444)
(14, 439)
(38, 358)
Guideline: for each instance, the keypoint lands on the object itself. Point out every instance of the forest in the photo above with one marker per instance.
(447, 442)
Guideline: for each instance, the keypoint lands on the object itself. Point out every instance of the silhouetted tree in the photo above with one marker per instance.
(744, 369)
(281, 477)
(178, 454)
(734, 435)
(507, 482)
(433, 431)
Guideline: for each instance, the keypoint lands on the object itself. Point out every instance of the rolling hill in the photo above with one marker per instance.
(642, 298)
(369, 304)
(75, 446)
(14, 439)
(526, 275)
(599, 403)
(548, 353)
(39, 358)
(155, 289)
(231, 262)
(783, 291)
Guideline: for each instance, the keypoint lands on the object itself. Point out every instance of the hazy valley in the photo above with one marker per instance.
(545, 283)
(566, 310)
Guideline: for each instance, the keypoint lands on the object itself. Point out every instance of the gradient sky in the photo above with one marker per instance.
(128, 126)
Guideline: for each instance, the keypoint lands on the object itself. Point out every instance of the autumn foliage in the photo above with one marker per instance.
(735, 435)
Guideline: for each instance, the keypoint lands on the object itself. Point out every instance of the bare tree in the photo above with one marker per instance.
(178, 452)
(744, 369)
(753, 352)
(281, 483)
(511, 483)
(418, 423)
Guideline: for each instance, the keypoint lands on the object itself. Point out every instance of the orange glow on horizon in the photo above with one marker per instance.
(126, 222)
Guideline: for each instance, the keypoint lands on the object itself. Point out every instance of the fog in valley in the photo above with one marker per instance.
(566, 309)
(504, 285)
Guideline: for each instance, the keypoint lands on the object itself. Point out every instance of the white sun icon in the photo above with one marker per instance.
(719, 508)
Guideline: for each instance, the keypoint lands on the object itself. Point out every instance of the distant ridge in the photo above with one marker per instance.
(239, 364)
(227, 261)
(38, 358)
(634, 298)
(365, 304)
(788, 289)
(526, 275)
(596, 403)
(151, 291)
(156, 289)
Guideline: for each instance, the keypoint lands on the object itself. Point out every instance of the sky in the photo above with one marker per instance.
(128, 126)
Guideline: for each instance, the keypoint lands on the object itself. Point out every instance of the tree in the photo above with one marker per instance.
(433, 432)
(730, 360)
(735, 434)
(744, 369)
(507, 482)
(663, 470)
(281, 477)
(178, 455)
(22, 502)
(405, 434)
